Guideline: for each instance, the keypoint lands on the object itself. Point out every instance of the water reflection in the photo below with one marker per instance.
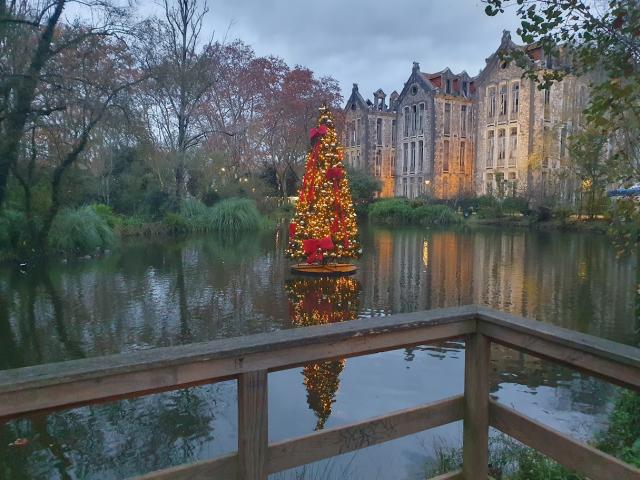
(320, 301)
(153, 294)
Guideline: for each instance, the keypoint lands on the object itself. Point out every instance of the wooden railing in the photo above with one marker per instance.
(249, 360)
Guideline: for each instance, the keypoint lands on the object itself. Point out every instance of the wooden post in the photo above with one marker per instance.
(253, 425)
(476, 408)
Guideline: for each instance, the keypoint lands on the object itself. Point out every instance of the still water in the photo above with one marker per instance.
(152, 294)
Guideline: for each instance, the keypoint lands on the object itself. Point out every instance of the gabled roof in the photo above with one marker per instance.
(356, 99)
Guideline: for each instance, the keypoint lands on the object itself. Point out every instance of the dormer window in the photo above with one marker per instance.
(414, 90)
(353, 106)
(447, 88)
(465, 88)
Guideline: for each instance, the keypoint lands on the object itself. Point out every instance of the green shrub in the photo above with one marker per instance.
(562, 214)
(622, 438)
(230, 216)
(14, 237)
(236, 215)
(516, 205)
(80, 230)
(435, 215)
(176, 223)
(487, 211)
(107, 214)
(391, 210)
(401, 211)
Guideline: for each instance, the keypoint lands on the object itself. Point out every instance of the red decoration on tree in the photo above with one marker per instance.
(317, 132)
(315, 248)
(292, 230)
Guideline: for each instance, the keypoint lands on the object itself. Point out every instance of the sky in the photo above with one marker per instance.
(370, 42)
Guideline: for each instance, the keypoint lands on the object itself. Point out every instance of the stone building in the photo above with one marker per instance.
(369, 137)
(449, 135)
(522, 131)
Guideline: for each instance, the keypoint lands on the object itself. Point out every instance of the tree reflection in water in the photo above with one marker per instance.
(320, 301)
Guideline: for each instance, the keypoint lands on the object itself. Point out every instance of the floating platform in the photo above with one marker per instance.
(329, 269)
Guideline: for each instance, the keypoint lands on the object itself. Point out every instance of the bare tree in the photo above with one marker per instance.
(30, 42)
(175, 53)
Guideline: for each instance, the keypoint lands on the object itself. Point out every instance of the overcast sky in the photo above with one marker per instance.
(369, 42)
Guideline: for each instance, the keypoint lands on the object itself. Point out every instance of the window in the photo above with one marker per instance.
(357, 165)
(379, 132)
(500, 184)
(513, 146)
(501, 147)
(404, 187)
(547, 101)
(465, 90)
(503, 99)
(447, 88)
(348, 159)
(352, 134)
(414, 119)
(393, 132)
(405, 157)
(421, 120)
(406, 121)
(489, 183)
(445, 157)
(392, 165)
(490, 140)
(378, 165)
(545, 162)
(515, 97)
(491, 105)
(462, 155)
(413, 157)
(411, 187)
(463, 120)
(447, 119)
(358, 132)
(420, 155)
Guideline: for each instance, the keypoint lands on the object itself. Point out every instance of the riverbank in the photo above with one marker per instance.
(93, 229)
(600, 226)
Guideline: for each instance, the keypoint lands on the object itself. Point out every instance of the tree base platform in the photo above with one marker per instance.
(326, 270)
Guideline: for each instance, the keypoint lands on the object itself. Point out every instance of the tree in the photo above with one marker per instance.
(588, 154)
(31, 44)
(594, 38)
(180, 67)
(289, 115)
(325, 222)
(95, 77)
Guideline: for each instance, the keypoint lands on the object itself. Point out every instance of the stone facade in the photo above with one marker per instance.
(522, 131)
(369, 138)
(448, 135)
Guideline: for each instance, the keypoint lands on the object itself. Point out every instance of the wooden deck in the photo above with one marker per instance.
(250, 359)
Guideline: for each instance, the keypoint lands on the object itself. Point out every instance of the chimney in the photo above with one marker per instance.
(416, 67)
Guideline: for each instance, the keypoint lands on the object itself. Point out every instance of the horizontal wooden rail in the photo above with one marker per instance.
(568, 452)
(330, 442)
(250, 359)
(611, 361)
(77, 382)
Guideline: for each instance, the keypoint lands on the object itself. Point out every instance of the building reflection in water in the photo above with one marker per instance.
(320, 301)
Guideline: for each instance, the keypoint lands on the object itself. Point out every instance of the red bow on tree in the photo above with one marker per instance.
(317, 132)
(335, 173)
(314, 248)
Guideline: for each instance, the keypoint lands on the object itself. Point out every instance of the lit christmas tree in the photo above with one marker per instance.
(324, 228)
(318, 302)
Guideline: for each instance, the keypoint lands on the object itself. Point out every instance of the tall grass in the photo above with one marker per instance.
(80, 230)
(231, 216)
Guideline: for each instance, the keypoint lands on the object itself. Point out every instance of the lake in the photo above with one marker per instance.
(149, 294)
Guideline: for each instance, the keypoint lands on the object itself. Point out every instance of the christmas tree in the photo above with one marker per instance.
(318, 302)
(324, 227)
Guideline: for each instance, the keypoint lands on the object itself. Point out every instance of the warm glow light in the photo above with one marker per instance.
(324, 208)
